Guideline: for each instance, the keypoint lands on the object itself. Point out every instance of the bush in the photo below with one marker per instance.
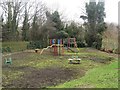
(6, 49)
(30, 45)
(0, 50)
(117, 51)
(3, 50)
(96, 45)
(81, 44)
(35, 44)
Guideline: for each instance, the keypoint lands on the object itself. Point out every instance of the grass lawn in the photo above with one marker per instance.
(32, 70)
(15, 46)
(101, 77)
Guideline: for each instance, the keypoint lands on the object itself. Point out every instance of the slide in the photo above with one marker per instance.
(75, 50)
(45, 49)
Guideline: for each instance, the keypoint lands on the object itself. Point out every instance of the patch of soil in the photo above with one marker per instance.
(42, 78)
(101, 60)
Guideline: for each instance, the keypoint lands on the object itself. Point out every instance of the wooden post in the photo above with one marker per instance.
(62, 46)
(55, 50)
(75, 44)
(50, 41)
(68, 42)
(58, 46)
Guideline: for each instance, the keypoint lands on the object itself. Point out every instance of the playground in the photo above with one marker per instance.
(59, 44)
(51, 68)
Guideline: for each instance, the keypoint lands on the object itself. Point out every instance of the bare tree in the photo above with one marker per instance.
(12, 13)
(39, 19)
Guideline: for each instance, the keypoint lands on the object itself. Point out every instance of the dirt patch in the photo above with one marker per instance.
(42, 78)
(101, 60)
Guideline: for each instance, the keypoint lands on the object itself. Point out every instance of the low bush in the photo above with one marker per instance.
(34, 45)
(81, 44)
(6, 50)
(117, 51)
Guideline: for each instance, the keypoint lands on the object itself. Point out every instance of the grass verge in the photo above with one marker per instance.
(102, 77)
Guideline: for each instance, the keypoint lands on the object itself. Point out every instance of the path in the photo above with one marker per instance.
(8, 54)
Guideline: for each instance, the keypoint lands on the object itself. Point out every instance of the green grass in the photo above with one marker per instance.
(102, 77)
(45, 61)
(15, 46)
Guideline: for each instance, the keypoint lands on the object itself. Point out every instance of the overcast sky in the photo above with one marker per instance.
(72, 9)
